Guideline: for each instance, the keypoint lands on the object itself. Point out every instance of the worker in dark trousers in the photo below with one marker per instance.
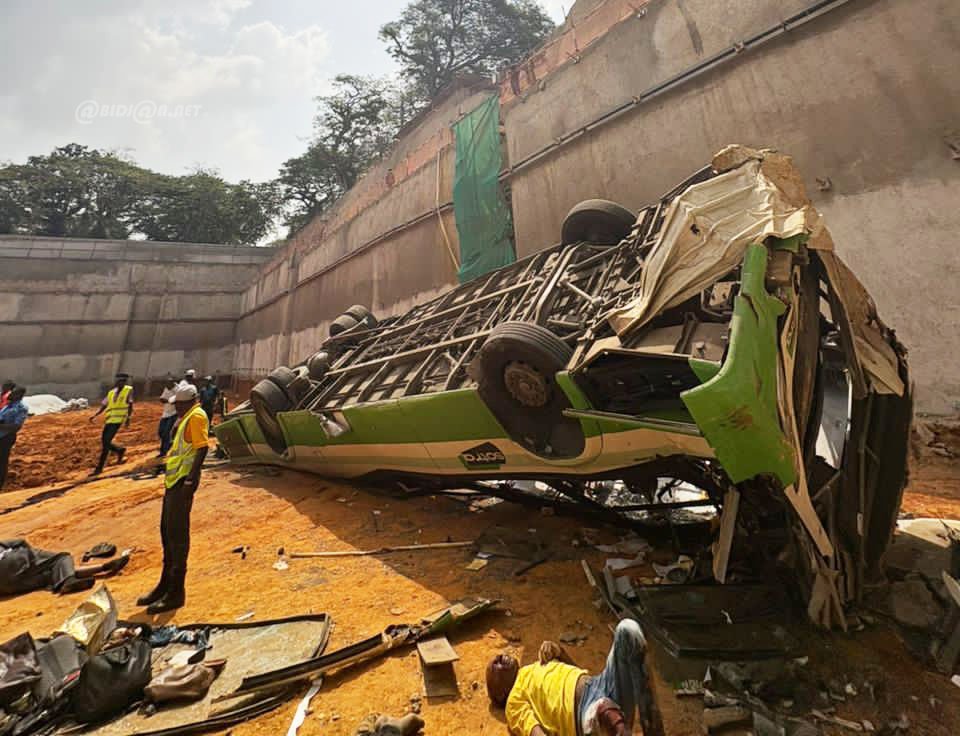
(118, 405)
(183, 464)
(12, 416)
(209, 395)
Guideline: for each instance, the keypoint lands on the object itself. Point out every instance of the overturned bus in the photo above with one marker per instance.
(715, 338)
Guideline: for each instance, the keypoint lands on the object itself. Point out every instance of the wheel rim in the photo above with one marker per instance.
(526, 384)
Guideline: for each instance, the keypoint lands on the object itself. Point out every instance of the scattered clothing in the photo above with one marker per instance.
(378, 725)
(198, 638)
(24, 569)
(184, 682)
(103, 549)
(19, 668)
(76, 404)
(111, 680)
(34, 680)
(122, 634)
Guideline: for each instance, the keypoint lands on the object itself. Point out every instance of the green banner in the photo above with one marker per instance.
(484, 222)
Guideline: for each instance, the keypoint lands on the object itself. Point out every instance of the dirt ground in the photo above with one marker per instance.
(268, 509)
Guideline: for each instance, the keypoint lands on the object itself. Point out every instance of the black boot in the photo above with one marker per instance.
(174, 596)
(169, 602)
(158, 592)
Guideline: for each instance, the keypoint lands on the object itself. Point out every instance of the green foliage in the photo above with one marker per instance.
(202, 208)
(435, 40)
(80, 192)
(354, 125)
(73, 192)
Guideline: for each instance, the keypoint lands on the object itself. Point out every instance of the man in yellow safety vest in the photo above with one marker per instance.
(183, 464)
(118, 405)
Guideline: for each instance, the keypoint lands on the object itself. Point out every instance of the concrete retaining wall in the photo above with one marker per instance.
(73, 312)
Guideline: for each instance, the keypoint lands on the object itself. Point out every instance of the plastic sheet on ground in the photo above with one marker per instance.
(43, 404)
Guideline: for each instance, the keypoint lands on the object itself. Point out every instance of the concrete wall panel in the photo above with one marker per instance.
(74, 312)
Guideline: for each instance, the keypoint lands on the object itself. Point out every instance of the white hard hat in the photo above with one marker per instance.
(191, 372)
(184, 393)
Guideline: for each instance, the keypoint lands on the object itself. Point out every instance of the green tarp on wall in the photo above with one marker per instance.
(484, 222)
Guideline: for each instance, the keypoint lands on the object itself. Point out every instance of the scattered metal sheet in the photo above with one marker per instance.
(391, 638)
(728, 622)
(249, 648)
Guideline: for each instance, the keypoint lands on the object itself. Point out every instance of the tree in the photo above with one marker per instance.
(354, 125)
(73, 192)
(435, 40)
(203, 208)
(80, 192)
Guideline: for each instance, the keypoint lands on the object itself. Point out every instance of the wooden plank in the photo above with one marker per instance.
(440, 681)
(728, 524)
(436, 651)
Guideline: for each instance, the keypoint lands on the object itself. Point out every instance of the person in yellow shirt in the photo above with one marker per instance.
(118, 404)
(553, 697)
(183, 463)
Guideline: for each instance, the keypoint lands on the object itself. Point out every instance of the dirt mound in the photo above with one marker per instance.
(58, 447)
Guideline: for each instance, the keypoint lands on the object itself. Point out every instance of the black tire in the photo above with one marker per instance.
(267, 399)
(318, 365)
(515, 372)
(362, 314)
(297, 391)
(597, 221)
(341, 324)
(281, 377)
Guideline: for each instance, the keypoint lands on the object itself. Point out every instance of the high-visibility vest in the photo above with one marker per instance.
(181, 454)
(117, 405)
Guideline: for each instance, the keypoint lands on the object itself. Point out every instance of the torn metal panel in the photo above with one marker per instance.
(705, 235)
(871, 341)
(737, 409)
(729, 622)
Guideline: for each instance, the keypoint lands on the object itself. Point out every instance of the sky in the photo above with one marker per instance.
(177, 84)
